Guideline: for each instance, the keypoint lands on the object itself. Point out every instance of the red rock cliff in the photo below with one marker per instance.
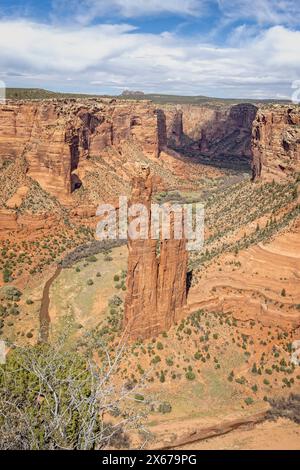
(276, 142)
(156, 285)
(54, 136)
(215, 131)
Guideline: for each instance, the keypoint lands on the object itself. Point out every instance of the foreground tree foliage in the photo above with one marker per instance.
(53, 398)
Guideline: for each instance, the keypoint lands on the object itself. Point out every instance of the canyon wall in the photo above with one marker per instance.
(94, 144)
(156, 285)
(213, 130)
(54, 136)
(276, 143)
(269, 136)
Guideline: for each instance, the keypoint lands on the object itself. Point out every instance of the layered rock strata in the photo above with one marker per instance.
(214, 131)
(156, 284)
(276, 143)
(56, 136)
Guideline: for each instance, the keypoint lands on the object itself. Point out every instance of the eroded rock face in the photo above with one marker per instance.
(214, 131)
(174, 125)
(12, 221)
(54, 136)
(276, 143)
(156, 285)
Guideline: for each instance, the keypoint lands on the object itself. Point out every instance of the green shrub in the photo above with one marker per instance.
(169, 361)
(249, 401)
(139, 397)
(162, 377)
(165, 407)
(240, 380)
(190, 375)
(92, 259)
(90, 282)
(155, 360)
(7, 275)
(14, 311)
(115, 301)
(10, 293)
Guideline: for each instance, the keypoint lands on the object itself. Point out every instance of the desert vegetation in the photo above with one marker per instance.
(51, 397)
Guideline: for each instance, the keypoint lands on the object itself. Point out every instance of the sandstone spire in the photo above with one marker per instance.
(156, 285)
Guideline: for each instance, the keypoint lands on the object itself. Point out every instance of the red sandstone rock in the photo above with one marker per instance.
(10, 220)
(171, 285)
(16, 200)
(55, 136)
(156, 285)
(276, 143)
(215, 131)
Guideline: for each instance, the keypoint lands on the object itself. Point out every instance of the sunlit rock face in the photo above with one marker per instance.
(156, 284)
(276, 143)
(54, 137)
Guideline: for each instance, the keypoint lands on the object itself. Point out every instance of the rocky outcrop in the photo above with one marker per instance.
(156, 285)
(214, 131)
(8, 220)
(16, 200)
(55, 136)
(276, 143)
(12, 221)
(174, 126)
(16, 123)
(66, 144)
(171, 282)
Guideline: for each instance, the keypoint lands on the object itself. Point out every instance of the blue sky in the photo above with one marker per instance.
(224, 48)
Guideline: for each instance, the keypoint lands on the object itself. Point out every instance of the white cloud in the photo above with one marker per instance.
(45, 48)
(271, 12)
(84, 11)
(111, 57)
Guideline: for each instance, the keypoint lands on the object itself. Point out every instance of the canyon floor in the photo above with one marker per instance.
(217, 369)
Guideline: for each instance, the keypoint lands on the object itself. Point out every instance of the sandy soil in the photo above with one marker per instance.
(251, 284)
(279, 435)
(70, 293)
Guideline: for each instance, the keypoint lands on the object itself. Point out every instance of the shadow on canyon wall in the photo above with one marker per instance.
(189, 279)
(219, 137)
